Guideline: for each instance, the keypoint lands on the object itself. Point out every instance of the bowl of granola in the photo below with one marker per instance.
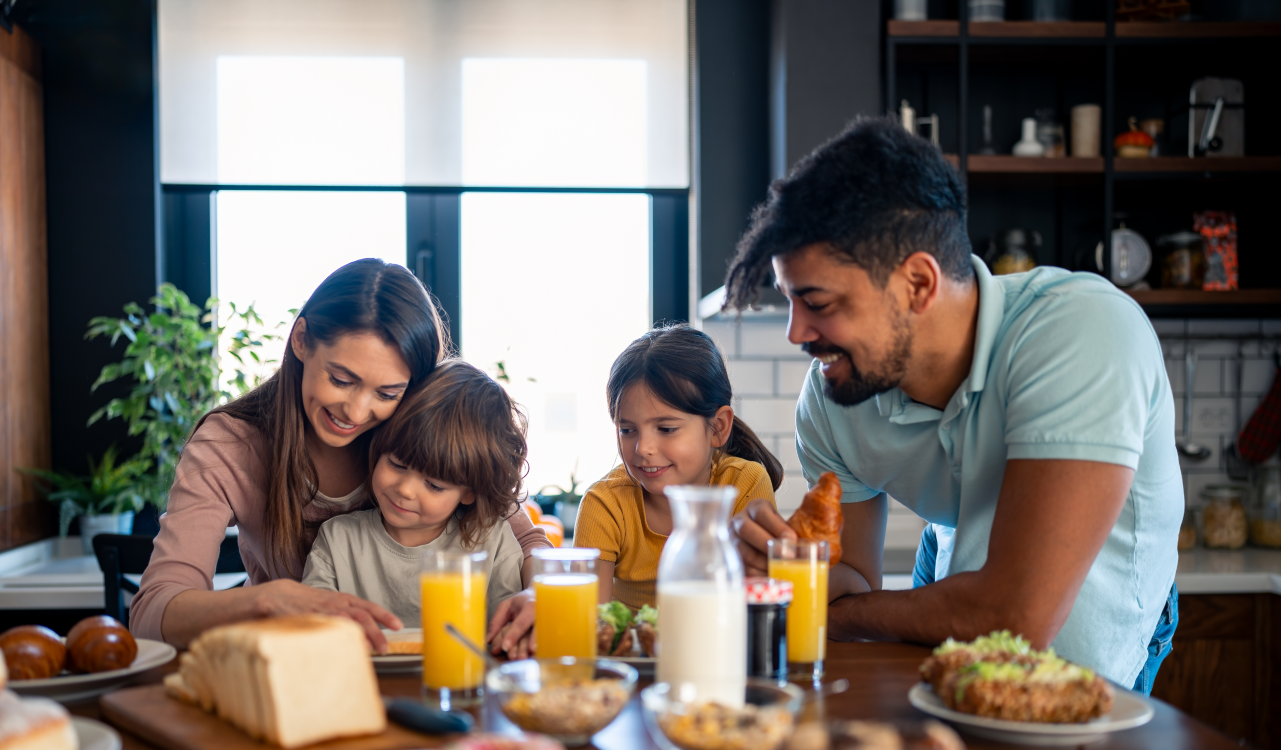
(679, 719)
(566, 698)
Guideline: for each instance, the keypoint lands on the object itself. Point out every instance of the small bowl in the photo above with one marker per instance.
(669, 720)
(566, 698)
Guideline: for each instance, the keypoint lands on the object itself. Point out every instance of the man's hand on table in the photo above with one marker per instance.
(286, 597)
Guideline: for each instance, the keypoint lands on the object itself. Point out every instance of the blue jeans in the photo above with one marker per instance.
(1158, 647)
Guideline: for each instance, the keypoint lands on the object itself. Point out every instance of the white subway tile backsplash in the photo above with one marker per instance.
(1174, 368)
(766, 415)
(725, 334)
(767, 338)
(790, 494)
(1258, 375)
(1205, 349)
(1271, 326)
(1209, 377)
(786, 452)
(1172, 348)
(1211, 416)
(751, 377)
(791, 376)
(1194, 482)
(1169, 326)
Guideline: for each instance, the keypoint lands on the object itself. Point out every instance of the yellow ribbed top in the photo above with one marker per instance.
(611, 518)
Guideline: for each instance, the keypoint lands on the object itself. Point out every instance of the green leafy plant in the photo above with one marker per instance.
(171, 356)
(109, 488)
(566, 495)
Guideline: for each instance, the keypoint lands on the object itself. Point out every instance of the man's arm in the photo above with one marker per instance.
(1052, 518)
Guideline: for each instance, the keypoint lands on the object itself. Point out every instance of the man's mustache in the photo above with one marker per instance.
(815, 349)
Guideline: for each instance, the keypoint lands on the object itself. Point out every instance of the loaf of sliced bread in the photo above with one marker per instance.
(34, 724)
(289, 681)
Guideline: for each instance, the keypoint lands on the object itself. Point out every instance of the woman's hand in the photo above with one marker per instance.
(755, 525)
(286, 597)
(510, 632)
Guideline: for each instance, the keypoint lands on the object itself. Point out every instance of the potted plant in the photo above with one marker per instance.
(563, 501)
(104, 501)
(173, 360)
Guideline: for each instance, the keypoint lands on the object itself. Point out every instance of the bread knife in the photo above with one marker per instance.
(412, 714)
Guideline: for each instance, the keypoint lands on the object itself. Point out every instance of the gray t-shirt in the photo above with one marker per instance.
(354, 554)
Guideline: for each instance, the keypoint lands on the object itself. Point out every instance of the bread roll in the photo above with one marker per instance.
(32, 652)
(34, 724)
(290, 681)
(100, 644)
(4, 675)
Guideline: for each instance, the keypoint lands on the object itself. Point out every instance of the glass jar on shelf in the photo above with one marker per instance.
(1187, 531)
(1265, 516)
(1223, 518)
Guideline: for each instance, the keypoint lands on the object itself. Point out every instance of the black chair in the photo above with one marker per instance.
(120, 554)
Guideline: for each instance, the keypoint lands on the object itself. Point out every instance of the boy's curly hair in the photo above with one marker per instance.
(461, 427)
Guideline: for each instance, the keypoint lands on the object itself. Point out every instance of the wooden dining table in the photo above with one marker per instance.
(880, 676)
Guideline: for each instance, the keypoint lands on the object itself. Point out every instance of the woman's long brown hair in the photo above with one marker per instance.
(364, 296)
(461, 427)
(684, 369)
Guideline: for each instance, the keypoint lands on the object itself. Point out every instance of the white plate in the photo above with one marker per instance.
(94, 735)
(70, 688)
(643, 664)
(400, 663)
(1129, 710)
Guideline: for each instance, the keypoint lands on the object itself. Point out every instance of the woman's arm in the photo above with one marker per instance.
(531, 538)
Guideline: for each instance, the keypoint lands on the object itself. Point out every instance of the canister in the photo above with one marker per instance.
(767, 603)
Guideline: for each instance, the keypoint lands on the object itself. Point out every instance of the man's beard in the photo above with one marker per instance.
(858, 387)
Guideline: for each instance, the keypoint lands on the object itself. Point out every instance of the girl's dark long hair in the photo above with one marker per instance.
(462, 428)
(683, 368)
(364, 296)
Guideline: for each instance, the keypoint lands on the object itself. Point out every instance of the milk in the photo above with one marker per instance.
(702, 641)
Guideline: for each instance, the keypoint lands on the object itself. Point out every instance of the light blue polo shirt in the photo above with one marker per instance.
(1066, 366)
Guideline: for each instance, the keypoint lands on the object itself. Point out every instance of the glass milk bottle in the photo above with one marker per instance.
(702, 605)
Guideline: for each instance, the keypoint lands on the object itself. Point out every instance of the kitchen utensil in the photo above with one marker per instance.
(1029, 145)
(987, 10)
(1190, 450)
(1183, 260)
(988, 148)
(1238, 469)
(912, 123)
(490, 661)
(1216, 126)
(1131, 257)
(910, 10)
(1085, 130)
(411, 713)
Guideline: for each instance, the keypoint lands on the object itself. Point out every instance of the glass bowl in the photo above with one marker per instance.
(568, 699)
(764, 723)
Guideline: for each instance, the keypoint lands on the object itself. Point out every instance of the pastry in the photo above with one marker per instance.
(100, 644)
(32, 652)
(34, 724)
(289, 681)
(819, 516)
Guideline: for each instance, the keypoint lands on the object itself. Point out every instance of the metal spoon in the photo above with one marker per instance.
(490, 662)
(1190, 450)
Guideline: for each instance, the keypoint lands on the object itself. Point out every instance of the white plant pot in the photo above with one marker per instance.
(109, 523)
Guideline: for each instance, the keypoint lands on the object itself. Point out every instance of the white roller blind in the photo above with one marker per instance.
(424, 92)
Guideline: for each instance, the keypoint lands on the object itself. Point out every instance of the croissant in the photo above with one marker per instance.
(819, 516)
(32, 652)
(100, 644)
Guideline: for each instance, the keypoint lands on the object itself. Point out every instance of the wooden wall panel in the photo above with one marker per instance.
(24, 295)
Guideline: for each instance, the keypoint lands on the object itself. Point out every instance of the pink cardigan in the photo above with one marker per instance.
(221, 481)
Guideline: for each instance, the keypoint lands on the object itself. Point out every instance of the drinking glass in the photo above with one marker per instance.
(804, 562)
(566, 591)
(454, 585)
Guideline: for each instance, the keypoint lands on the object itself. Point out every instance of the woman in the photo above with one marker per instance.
(287, 456)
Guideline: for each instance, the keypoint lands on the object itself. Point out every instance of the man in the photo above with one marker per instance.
(1027, 417)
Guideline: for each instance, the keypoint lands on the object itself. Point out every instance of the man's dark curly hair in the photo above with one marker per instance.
(875, 194)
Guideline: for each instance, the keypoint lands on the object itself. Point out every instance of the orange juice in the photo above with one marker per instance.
(459, 599)
(807, 615)
(565, 615)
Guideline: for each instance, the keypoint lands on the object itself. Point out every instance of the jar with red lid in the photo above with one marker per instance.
(767, 603)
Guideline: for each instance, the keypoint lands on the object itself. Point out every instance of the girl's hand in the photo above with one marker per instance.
(513, 621)
(286, 597)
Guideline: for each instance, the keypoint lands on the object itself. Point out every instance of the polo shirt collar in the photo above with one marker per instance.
(899, 409)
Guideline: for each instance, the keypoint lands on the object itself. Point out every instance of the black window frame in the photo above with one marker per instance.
(433, 242)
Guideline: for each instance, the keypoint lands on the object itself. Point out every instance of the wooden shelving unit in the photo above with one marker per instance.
(954, 67)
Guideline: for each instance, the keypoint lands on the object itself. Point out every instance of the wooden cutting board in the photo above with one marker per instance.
(150, 714)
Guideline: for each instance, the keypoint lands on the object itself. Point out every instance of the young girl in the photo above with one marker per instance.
(447, 473)
(669, 395)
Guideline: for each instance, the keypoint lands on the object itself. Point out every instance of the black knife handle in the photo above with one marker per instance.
(412, 714)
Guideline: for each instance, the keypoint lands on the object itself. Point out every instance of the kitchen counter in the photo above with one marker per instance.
(1244, 571)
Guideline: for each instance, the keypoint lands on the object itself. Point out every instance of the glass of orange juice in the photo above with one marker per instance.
(804, 562)
(566, 591)
(454, 585)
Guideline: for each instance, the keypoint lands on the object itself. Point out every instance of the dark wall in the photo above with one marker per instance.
(732, 168)
(100, 161)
